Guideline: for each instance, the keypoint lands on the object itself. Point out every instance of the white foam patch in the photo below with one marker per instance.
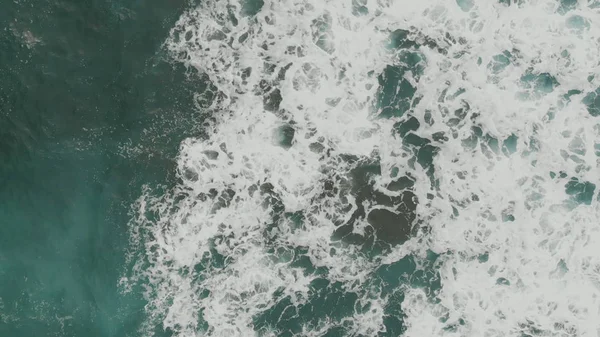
(518, 254)
(535, 281)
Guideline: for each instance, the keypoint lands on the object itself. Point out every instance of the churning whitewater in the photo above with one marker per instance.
(381, 168)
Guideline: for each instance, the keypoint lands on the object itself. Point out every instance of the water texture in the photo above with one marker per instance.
(90, 110)
(301, 168)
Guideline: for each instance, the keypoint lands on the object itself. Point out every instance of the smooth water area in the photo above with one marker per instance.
(90, 110)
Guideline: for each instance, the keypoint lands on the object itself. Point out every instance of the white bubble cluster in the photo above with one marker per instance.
(498, 141)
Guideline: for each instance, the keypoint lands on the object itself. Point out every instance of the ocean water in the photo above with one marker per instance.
(300, 168)
(91, 109)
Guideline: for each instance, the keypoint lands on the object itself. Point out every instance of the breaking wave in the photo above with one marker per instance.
(381, 168)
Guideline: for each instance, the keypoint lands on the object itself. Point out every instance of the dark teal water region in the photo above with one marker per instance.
(81, 82)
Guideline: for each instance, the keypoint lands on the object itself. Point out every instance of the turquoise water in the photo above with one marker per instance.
(298, 168)
(90, 110)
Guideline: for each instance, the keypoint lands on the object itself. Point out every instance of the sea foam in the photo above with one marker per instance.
(431, 165)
